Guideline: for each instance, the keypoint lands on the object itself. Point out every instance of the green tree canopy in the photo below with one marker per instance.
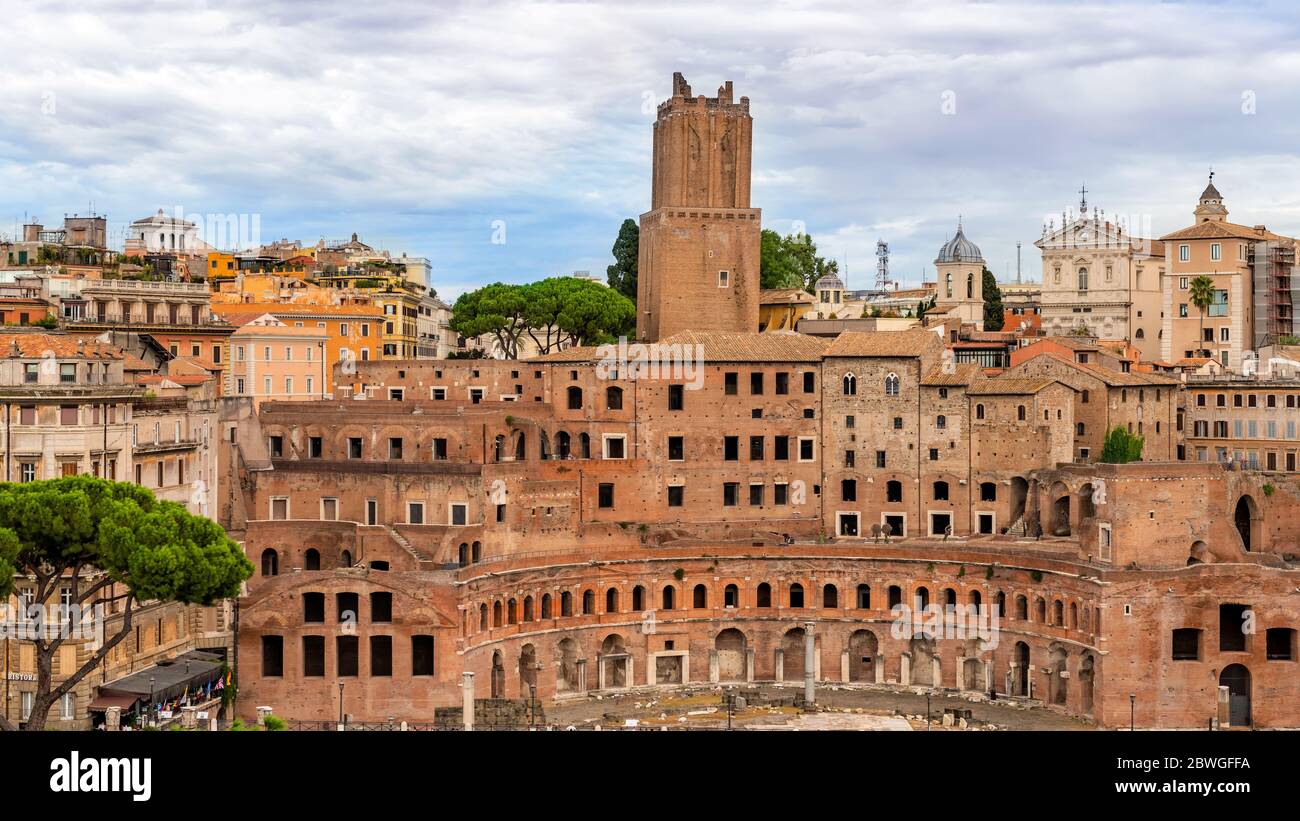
(106, 540)
(622, 274)
(791, 261)
(1121, 447)
(554, 312)
(1201, 294)
(496, 310)
(992, 302)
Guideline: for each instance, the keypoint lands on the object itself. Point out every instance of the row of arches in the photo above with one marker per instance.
(1033, 608)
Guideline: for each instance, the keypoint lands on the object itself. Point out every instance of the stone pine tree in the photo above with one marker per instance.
(1121, 447)
(622, 274)
(104, 542)
(992, 302)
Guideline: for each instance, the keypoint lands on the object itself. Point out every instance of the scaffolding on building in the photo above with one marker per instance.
(1276, 291)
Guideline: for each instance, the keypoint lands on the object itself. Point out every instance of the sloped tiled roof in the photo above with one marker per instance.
(962, 373)
(911, 342)
(1220, 229)
(1009, 385)
(773, 296)
(31, 345)
(716, 346)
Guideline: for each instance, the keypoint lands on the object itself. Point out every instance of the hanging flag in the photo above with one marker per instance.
(230, 677)
(220, 685)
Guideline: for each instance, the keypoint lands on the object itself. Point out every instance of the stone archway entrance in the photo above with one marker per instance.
(615, 663)
(498, 676)
(863, 647)
(1237, 679)
(1087, 672)
(1246, 517)
(792, 655)
(731, 647)
(527, 669)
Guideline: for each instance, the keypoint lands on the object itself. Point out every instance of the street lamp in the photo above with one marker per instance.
(152, 708)
(532, 706)
(341, 724)
(927, 712)
(1132, 711)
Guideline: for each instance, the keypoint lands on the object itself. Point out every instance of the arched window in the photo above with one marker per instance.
(922, 598)
(482, 617)
(941, 422)
(546, 605)
(528, 608)
(891, 385)
(1022, 608)
(949, 597)
(850, 385)
(1079, 429)
(864, 597)
(1140, 334)
(311, 559)
(988, 492)
(496, 614)
(566, 603)
(584, 440)
(614, 398)
(345, 558)
(893, 491)
(731, 596)
(498, 447)
(512, 612)
(764, 595)
(575, 397)
(638, 598)
(669, 597)
(611, 600)
(270, 563)
(1020, 412)
(700, 596)
(1083, 279)
(462, 555)
(476, 552)
(830, 596)
(588, 602)
(970, 286)
(562, 445)
(948, 283)
(895, 596)
(796, 595)
(979, 411)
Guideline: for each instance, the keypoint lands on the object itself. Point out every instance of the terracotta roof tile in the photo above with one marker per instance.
(1009, 385)
(962, 373)
(911, 342)
(32, 345)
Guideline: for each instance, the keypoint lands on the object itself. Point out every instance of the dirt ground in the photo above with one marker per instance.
(704, 707)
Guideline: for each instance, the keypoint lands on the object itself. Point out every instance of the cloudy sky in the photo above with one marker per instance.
(436, 127)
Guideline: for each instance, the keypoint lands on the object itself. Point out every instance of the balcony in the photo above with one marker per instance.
(119, 286)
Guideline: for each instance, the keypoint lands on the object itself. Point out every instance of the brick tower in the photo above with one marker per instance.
(699, 249)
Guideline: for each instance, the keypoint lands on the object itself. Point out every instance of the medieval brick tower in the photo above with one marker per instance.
(699, 250)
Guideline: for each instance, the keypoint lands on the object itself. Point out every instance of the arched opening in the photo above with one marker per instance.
(796, 595)
(611, 600)
(584, 445)
(588, 602)
(764, 595)
(731, 596)
(830, 596)
(972, 668)
(1058, 685)
(1237, 679)
(521, 447)
(1060, 509)
(1087, 510)
(546, 605)
(1087, 673)
(922, 652)
(566, 603)
(864, 597)
(1022, 608)
(1245, 517)
(669, 597)
(311, 559)
(566, 666)
(462, 554)
(544, 447)
(922, 598)
(732, 651)
(613, 662)
(850, 385)
(498, 676)
(527, 669)
(700, 596)
(792, 652)
(614, 398)
(528, 608)
(498, 447)
(1020, 681)
(345, 558)
(270, 562)
(496, 614)
(1040, 610)
(562, 445)
(476, 552)
(1199, 554)
(575, 397)
(638, 598)
(512, 612)
(1058, 613)
(863, 647)
(482, 617)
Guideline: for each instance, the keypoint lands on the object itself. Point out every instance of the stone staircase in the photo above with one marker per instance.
(422, 562)
(1020, 529)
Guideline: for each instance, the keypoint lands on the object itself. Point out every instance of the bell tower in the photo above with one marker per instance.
(698, 260)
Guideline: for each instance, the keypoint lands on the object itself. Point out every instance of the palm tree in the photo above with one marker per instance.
(1201, 294)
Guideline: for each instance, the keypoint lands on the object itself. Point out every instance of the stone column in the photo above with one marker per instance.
(988, 675)
(113, 717)
(631, 679)
(600, 672)
(809, 664)
(714, 673)
(749, 664)
(961, 674)
(905, 672)
(467, 700)
(779, 675)
(190, 717)
(880, 668)
(936, 674)
(1224, 716)
(582, 675)
(844, 666)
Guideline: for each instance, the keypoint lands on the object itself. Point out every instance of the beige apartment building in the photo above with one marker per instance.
(1102, 278)
(273, 360)
(1235, 257)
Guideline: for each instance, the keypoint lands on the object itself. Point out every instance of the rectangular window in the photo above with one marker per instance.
(67, 414)
(1187, 644)
(1216, 252)
(781, 448)
(415, 513)
(440, 450)
(755, 495)
(381, 656)
(605, 495)
(676, 448)
(354, 447)
(275, 444)
(68, 372)
(348, 655)
(459, 513)
(1184, 253)
(279, 506)
(756, 383)
(329, 509)
(809, 382)
(615, 447)
(782, 384)
(755, 448)
(806, 452)
(395, 448)
(730, 383)
(272, 656)
(313, 655)
(780, 493)
(730, 448)
(1232, 621)
(421, 655)
(676, 397)
(676, 495)
(315, 447)
(730, 494)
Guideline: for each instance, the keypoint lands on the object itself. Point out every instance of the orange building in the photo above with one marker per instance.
(351, 331)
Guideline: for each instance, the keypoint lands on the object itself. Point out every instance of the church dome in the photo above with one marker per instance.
(829, 282)
(959, 249)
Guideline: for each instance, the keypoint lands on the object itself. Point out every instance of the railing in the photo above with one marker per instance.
(197, 288)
